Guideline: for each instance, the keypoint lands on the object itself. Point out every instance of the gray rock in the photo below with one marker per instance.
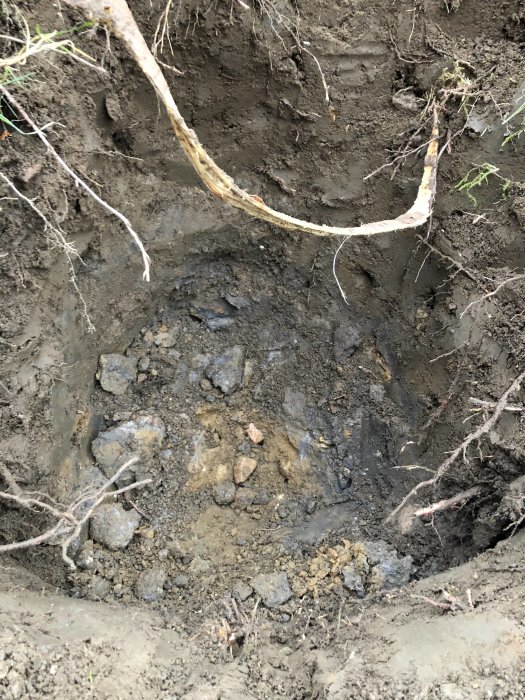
(273, 588)
(224, 493)
(241, 591)
(406, 100)
(116, 372)
(352, 581)
(215, 314)
(347, 339)
(244, 497)
(261, 497)
(113, 526)
(387, 569)
(150, 585)
(180, 581)
(141, 437)
(377, 393)
(226, 371)
(97, 589)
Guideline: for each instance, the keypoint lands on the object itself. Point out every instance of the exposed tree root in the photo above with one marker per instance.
(117, 15)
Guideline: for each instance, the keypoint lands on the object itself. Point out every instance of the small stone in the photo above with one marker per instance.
(85, 559)
(180, 581)
(241, 591)
(261, 498)
(310, 506)
(116, 372)
(224, 493)
(141, 437)
(285, 469)
(389, 570)
(150, 585)
(226, 371)
(352, 581)
(347, 339)
(113, 108)
(141, 377)
(243, 469)
(112, 526)
(166, 338)
(163, 554)
(144, 363)
(97, 589)
(377, 393)
(406, 100)
(255, 435)
(244, 498)
(273, 588)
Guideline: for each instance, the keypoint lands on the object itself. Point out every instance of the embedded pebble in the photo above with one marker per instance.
(347, 338)
(226, 371)
(255, 435)
(224, 493)
(150, 585)
(141, 437)
(241, 591)
(116, 372)
(244, 497)
(243, 469)
(273, 588)
(352, 581)
(97, 589)
(112, 526)
(85, 558)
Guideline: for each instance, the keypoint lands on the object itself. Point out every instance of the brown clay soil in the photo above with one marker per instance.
(289, 584)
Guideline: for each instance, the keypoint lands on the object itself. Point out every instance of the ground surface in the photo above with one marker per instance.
(288, 584)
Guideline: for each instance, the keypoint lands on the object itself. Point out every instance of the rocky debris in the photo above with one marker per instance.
(113, 108)
(226, 371)
(116, 372)
(180, 581)
(224, 493)
(255, 435)
(406, 101)
(244, 497)
(273, 588)
(241, 591)
(243, 469)
(150, 585)
(113, 526)
(347, 339)
(352, 581)
(141, 437)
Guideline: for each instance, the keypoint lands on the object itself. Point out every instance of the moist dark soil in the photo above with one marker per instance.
(283, 393)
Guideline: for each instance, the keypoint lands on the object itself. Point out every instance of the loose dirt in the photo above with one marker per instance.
(282, 413)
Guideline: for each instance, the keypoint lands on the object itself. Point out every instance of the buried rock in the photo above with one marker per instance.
(150, 585)
(273, 588)
(224, 493)
(113, 526)
(243, 469)
(226, 371)
(141, 437)
(116, 372)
